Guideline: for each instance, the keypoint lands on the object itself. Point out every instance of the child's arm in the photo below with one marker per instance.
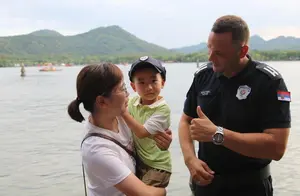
(156, 123)
(139, 130)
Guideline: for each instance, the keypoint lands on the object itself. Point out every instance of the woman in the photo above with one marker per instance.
(109, 167)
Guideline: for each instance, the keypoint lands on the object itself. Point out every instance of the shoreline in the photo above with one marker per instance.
(128, 64)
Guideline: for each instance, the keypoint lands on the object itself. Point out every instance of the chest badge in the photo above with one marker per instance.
(205, 93)
(243, 92)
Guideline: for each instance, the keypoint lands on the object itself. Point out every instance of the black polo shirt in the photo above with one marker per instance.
(249, 102)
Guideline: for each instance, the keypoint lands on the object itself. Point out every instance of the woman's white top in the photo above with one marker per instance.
(107, 164)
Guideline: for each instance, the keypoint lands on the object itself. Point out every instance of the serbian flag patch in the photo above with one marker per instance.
(283, 96)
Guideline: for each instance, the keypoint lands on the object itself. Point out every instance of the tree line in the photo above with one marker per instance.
(32, 60)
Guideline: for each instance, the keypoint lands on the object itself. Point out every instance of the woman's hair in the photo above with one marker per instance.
(92, 81)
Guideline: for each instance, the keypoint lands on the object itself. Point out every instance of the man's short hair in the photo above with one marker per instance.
(234, 25)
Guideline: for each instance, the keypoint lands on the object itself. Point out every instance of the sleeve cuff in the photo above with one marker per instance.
(277, 125)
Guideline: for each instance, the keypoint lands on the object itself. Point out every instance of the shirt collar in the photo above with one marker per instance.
(159, 102)
(239, 74)
(95, 129)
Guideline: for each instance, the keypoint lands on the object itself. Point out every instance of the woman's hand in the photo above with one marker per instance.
(163, 139)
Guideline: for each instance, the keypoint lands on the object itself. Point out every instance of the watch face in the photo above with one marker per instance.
(218, 138)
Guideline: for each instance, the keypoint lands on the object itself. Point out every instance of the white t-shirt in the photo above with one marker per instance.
(106, 163)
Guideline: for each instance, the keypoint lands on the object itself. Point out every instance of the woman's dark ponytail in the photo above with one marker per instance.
(93, 81)
(74, 112)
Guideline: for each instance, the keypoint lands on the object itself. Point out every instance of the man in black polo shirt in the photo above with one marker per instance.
(239, 111)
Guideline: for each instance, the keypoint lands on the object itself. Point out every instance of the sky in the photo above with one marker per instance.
(168, 23)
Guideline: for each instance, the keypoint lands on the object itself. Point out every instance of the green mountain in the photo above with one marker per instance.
(46, 33)
(256, 43)
(111, 40)
(279, 43)
(191, 49)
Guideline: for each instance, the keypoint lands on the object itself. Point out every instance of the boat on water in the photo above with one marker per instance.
(49, 68)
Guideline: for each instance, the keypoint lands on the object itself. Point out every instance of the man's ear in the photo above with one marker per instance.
(244, 51)
(133, 86)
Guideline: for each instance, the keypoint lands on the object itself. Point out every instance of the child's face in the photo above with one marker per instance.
(148, 84)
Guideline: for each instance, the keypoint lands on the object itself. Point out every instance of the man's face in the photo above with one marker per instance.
(223, 53)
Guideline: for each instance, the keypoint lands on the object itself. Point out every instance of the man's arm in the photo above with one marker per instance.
(271, 144)
(274, 117)
(189, 112)
(185, 140)
(199, 170)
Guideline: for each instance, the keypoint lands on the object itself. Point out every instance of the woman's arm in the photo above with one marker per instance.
(132, 186)
(107, 169)
(163, 139)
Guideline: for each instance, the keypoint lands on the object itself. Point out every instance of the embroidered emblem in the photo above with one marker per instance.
(243, 92)
(143, 58)
(204, 93)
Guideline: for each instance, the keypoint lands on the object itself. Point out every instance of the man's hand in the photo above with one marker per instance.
(200, 172)
(202, 129)
(163, 139)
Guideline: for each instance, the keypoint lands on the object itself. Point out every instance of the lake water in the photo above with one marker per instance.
(39, 143)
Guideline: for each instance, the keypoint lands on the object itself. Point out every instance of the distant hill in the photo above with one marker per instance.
(109, 40)
(191, 49)
(46, 33)
(256, 43)
(113, 40)
(279, 43)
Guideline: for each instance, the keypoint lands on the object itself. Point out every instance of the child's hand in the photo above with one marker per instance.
(125, 113)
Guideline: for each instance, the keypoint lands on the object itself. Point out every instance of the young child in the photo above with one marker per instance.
(148, 114)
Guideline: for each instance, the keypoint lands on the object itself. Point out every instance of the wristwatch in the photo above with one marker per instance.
(218, 137)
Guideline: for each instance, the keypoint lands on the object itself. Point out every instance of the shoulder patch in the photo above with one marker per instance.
(270, 71)
(203, 67)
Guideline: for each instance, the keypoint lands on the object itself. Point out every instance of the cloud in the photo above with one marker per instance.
(169, 23)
